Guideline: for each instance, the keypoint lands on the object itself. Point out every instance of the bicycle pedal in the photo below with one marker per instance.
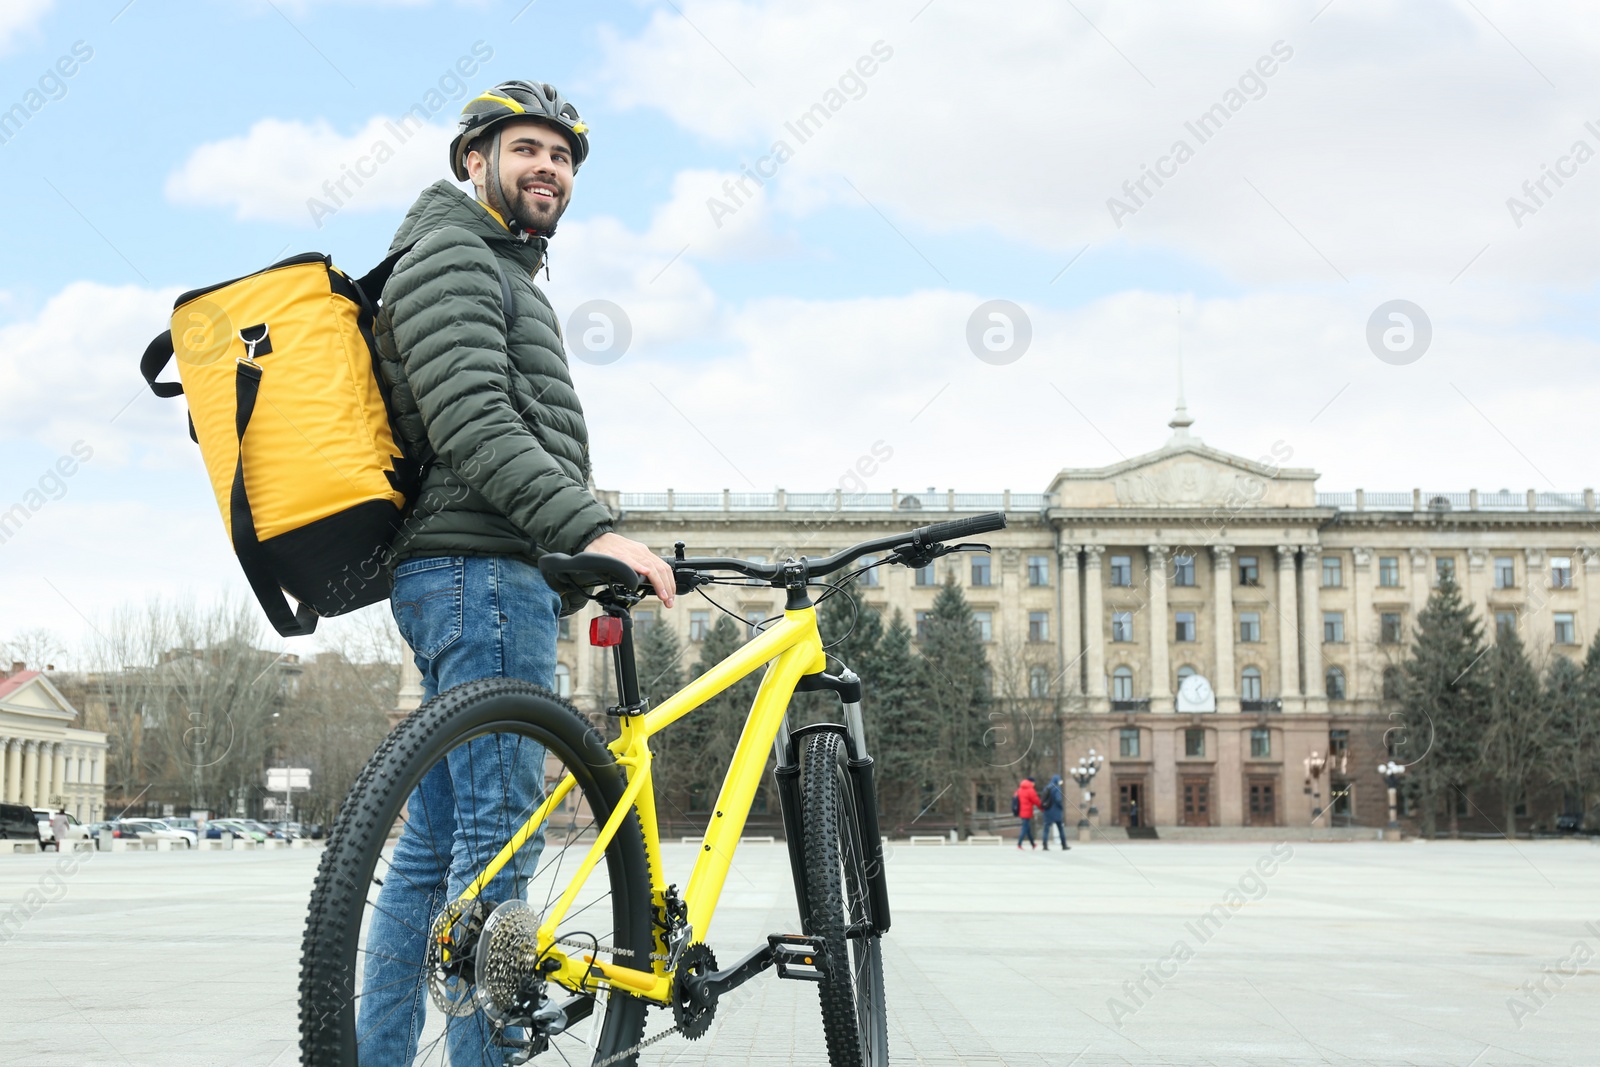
(797, 956)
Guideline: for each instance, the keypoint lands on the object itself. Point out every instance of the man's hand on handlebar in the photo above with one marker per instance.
(655, 569)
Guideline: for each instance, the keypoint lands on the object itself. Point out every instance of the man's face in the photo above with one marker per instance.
(535, 172)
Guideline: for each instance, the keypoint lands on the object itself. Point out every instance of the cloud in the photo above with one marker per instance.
(303, 172)
(1386, 141)
(18, 18)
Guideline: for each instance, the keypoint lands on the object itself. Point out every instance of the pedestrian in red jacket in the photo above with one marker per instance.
(1023, 803)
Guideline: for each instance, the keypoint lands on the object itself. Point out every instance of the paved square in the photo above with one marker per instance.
(1349, 953)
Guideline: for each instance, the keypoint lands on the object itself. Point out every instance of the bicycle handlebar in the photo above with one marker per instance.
(918, 540)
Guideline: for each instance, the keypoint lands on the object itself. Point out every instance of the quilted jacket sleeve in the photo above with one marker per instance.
(449, 328)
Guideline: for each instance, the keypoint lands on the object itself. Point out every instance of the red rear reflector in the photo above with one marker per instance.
(605, 631)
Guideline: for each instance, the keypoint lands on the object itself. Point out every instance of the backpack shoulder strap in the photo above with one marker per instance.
(371, 283)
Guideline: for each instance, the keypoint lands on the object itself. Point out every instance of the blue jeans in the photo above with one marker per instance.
(1058, 820)
(1026, 834)
(465, 618)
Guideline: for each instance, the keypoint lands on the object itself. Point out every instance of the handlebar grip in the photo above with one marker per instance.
(949, 531)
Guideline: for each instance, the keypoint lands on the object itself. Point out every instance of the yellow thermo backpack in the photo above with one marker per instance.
(293, 423)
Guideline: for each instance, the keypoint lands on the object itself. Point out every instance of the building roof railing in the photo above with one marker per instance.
(947, 500)
(1417, 500)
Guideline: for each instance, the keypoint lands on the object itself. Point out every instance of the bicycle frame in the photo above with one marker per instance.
(790, 649)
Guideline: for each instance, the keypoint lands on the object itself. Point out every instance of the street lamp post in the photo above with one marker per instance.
(1392, 773)
(1088, 766)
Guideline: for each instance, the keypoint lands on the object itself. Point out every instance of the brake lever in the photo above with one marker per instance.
(918, 557)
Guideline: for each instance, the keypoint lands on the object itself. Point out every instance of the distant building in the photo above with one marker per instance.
(1219, 618)
(45, 761)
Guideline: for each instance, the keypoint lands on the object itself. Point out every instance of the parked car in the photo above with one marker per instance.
(161, 830)
(17, 823)
(191, 825)
(263, 829)
(236, 827)
(47, 834)
(1573, 823)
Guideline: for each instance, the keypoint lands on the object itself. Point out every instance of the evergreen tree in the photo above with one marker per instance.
(659, 661)
(900, 729)
(850, 633)
(1516, 724)
(954, 676)
(1570, 693)
(1442, 699)
(702, 742)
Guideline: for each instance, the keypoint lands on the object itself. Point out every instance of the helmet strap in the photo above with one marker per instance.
(495, 191)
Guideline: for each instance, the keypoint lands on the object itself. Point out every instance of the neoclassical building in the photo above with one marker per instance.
(48, 762)
(1220, 620)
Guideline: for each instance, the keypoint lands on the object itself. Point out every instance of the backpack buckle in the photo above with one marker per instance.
(256, 341)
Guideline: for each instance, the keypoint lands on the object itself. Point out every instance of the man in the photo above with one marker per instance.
(1026, 800)
(496, 417)
(1054, 807)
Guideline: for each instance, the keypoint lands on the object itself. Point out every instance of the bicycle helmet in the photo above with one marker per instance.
(517, 99)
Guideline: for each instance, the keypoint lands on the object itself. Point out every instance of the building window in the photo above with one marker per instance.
(1332, 572)
(1389, 628)
(1121, 570)
(1389, 570)
(1505, 623)
(1038, 570)
(1392, 680)
(1183, 570)
(564, 629)
(699, 797)
(1250, 684)
(1038, 682)
(1333, 627)
(1185, 672)
(1566, 632)
(699, 625)
(1445, 567)
(983, 622)
(1561, 572)
(1122, 626)
(642, 621)
(563, 680)
(1334, 683)
(1128, 742)
(1122, 684)
(1038, 626)
(1249, 571)
(1249, 626)
(924, 575)
(753, 618)
(984, 802)
(1194, 742)
(1505, 572)
(922, 623)
(1184, 631)
(1260, 743)
(980, 571)
(1338, 742)
(868, 578)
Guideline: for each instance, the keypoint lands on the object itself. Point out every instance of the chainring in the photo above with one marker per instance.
(693, 1017)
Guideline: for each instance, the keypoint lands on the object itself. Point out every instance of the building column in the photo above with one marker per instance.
(1288, 632)
(14, 771)
(1072, 648)
(1094, 626)
(5, 779)
(30, 773)
(1160, 620)
(1311, 627)
(1226, 684)
(58, 773)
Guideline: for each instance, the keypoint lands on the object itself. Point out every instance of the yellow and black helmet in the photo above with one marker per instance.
(516, 100)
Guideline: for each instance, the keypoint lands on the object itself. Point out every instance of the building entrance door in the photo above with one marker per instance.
(1130, 802)
(1197, 802)
(1263, 802)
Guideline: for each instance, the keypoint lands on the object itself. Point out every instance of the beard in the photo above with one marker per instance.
(534, 213)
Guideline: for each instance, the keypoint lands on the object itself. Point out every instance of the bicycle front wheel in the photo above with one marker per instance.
(836, 857)
(395, 970)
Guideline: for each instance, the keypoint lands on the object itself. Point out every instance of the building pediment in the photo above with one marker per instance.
(31, 696)
(1188, 475)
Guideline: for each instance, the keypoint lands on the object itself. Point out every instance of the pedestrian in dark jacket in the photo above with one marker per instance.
(1054, 807)
(1027, 801)
(482, 394)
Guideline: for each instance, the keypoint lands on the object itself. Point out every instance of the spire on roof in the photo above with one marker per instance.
(1181, 421)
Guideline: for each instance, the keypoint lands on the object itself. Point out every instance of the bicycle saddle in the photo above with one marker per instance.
(581, 573)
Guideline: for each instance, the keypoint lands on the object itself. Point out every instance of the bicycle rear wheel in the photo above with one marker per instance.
(385, 970)
(853, 1016)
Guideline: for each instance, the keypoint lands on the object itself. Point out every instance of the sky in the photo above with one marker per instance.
(805, 213)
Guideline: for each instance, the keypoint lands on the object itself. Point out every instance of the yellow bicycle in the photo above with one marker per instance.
(549, 928)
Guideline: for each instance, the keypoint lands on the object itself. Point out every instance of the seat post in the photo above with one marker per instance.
(627, 670)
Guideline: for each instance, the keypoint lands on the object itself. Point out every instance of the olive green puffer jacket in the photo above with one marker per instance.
(500, 415)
